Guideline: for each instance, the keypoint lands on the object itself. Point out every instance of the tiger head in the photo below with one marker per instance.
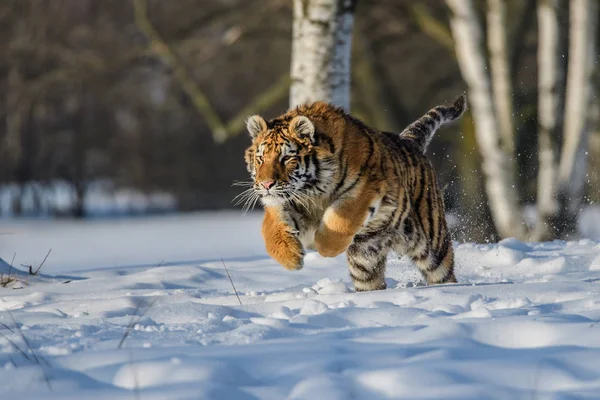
(283, 159)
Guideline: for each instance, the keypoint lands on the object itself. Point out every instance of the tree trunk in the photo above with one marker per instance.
(499, 66)
(11, 148)
(322, 40)
(582, 57)
(498, 161)
(550, 105)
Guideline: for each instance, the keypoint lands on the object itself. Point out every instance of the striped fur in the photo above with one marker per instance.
(330, 183)
(423, 129)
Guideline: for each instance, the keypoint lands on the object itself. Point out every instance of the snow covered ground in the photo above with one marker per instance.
(521, 324)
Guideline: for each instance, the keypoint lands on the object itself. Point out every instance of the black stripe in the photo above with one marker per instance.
(402, 209)
(295, 223)
(430, 210)
(422, 256)
(383, 162)
(421, 193)
(401, 153)
(363, 280)
(364, 237)
(361, 268)
(295, 206)
(441, 219)
(306, 160)
(442, 252)
(315, 161)
(439, 214)
(363, 168)
(408, 227)
(327, 140)
(396, 169)
(417, 235)
(342, 179)
(352, 185)
(409, 158)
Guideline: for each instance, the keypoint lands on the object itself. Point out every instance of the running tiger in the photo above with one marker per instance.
(328, 182)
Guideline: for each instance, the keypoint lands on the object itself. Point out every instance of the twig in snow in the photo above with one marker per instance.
(231, 280)
(140, 311)
(31, 272)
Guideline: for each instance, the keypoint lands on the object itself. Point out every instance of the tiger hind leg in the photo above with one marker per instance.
(366, 261)
(437, 265)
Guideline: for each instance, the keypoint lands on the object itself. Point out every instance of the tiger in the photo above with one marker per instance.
(330, 183)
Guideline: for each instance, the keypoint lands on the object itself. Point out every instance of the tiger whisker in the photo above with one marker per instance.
(296, 196)
(240, 197)
(250, 203)
(242, 183)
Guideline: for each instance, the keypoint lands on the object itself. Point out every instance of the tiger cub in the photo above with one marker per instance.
(329, 182)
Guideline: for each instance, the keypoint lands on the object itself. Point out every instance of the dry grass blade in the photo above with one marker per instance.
(29, 347)
(16, 346)
(140, 311)
(41, 264)
(6, 280)
(7, 327)
(231, 280)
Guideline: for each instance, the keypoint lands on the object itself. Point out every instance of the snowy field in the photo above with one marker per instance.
(521, 324)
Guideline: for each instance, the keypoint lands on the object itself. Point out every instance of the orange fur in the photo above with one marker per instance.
(280, 242)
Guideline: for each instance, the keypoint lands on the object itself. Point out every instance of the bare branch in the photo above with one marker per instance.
(432, 26)
(187, 82)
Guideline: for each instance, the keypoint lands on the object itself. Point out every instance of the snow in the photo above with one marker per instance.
(522, 322)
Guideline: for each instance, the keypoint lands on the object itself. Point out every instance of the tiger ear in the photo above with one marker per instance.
(302, 127)
(255, 125)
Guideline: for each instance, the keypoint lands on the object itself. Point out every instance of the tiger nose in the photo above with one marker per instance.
(267, 184)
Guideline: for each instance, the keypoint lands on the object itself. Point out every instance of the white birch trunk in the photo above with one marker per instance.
(550, 103)
(321, 48)
(498, 164)
(582, 57)
(499, 66)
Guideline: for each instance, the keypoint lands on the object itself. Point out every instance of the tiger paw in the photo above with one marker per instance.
(290, 257)
(286, 250)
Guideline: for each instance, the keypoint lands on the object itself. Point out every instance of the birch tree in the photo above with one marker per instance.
(500, 73)
(321, 48)
(496, 150)
(560, 180)
(550, 105)
(582, 58)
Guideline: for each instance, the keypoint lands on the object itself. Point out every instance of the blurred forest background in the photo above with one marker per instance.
(124, 107)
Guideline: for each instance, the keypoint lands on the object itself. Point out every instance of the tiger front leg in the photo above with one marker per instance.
(281, 240)
(341, 221)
